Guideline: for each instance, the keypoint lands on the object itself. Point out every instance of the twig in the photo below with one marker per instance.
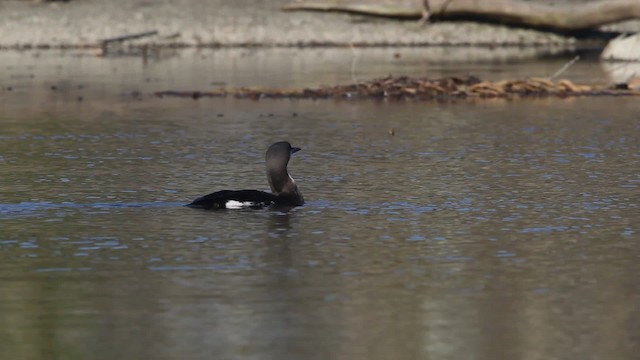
(354, 60)
(564, 67)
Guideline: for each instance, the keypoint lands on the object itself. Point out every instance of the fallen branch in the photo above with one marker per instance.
(106, 42)
(559, 18)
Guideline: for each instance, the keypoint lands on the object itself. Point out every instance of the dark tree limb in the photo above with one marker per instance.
(129, 37)
(560, 18)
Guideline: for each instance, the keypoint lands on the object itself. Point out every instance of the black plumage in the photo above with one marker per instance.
(284, 191)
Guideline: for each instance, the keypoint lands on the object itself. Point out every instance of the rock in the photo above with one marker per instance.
(623, 48)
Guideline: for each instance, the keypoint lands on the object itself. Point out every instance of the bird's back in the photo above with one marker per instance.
(228, 199)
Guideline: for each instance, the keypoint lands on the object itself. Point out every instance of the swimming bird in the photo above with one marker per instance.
(284, 191)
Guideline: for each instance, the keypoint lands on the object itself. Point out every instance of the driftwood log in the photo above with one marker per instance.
(561, 18)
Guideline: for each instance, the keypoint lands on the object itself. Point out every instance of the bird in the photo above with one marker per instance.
(284, 191)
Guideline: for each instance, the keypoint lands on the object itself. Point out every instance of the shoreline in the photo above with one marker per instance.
(85, 24)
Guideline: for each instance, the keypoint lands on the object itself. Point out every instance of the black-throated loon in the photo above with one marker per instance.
(284, 191)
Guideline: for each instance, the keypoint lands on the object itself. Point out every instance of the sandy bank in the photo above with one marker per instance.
(84, 23)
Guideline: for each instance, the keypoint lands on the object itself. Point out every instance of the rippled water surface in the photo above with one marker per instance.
(478, 230)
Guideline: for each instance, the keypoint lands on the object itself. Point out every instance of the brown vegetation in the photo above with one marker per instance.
(406, 88)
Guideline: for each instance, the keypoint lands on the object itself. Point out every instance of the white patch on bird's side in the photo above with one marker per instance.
(233, 204)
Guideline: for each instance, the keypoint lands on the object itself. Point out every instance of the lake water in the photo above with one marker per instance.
(478, 230)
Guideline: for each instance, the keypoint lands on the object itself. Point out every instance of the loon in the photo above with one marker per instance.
(284, 191)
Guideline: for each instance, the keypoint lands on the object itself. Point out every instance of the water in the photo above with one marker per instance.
(487, 230)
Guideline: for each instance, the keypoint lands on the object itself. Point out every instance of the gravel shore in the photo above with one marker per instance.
(191, 23)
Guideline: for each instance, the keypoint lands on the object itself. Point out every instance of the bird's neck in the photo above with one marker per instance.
(281, 182)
